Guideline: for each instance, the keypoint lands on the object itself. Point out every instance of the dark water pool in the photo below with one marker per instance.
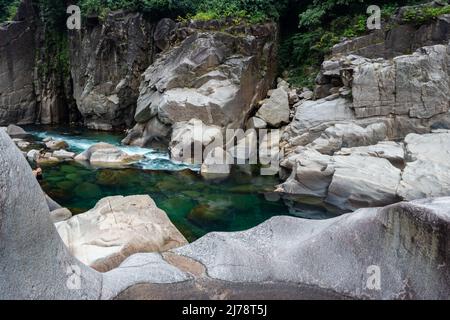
(194, 205)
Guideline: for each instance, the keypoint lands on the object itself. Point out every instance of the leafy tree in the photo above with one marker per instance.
(8, 9)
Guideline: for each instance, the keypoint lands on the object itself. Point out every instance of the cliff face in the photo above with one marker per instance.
(125, 70)
(107, 60)
(358, 145)
(32, 88)
(17, 53)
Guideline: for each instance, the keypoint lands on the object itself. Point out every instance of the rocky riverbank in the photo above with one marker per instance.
(370, 141)
(289, 256)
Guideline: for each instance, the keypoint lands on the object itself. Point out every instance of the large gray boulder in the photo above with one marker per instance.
(117, 228)
(106, 155)
(345, 182)
(427, 174)
(16, 132)
(34, 262)
(210, 75)
(275, 110)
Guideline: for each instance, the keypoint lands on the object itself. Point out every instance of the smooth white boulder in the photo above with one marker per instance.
(116, 228)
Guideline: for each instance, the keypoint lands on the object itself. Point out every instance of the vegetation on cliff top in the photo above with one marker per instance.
(309, 28)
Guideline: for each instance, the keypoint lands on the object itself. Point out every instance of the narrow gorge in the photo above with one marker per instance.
(224, 156)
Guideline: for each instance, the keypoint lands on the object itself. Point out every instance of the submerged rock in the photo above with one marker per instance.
(116, 228)
(56, 145)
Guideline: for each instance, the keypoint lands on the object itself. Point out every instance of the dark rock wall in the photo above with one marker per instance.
(17, 53)
(397, 39)
(107, 60)
(32, 87)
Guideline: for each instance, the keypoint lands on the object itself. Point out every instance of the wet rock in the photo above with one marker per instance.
(64, 155)
(87, 190)
(56, 145)
(105, 154)
(208, 214)
(152, 133)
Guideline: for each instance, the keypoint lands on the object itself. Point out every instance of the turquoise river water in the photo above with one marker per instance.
(194, 205)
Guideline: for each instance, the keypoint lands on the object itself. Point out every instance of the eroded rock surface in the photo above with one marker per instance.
(104, 155)
(405, 97)
(116, 228)
(213, 76)
(34, 262)
(284, 258)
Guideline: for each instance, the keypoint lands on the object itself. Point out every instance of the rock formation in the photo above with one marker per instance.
(34, 262)
(107, 59)
(214, 76)
(17, 54)
(116, 228)
(105, 155)
(373, 252)
(335, 143)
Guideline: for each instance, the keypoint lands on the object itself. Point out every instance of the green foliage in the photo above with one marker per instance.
(8, 9)
(424, 14)
(251, 10)
(322, 24)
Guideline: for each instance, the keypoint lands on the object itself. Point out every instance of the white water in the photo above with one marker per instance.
(153, 159)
